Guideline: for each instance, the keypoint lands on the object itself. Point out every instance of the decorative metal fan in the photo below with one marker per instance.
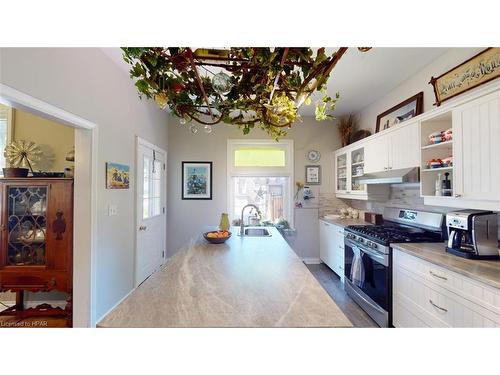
(23, 154)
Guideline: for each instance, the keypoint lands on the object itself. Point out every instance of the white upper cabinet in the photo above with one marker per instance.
(377, 155)
(405, 146)
(476, 143)
(398, 149)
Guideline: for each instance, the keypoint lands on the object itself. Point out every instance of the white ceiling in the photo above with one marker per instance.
(361, 78)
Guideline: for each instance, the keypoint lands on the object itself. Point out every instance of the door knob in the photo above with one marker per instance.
(143, 227)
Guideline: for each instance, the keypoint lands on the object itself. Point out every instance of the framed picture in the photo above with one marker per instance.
(196, 180)
(117, 176)
(479, 69)
(313, 174)
(405, 110)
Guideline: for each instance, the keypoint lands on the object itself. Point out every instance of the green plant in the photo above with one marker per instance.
(264, 87)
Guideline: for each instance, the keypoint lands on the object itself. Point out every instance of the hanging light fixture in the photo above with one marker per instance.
(254, 87)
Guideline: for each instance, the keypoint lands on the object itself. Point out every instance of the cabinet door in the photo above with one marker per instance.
(476, 140)
(341, 173)
(323, 241)
(377, 155)
(405, 147)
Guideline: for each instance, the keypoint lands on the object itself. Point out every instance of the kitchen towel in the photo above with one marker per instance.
(357, 268)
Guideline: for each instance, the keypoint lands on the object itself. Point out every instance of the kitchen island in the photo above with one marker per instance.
(245, 282)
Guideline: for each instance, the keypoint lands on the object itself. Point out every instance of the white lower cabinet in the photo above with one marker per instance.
(331, 247)
(425, 295)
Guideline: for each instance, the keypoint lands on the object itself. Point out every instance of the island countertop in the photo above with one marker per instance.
(246, 282)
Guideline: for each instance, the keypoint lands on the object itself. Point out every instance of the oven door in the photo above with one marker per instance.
(368, 271)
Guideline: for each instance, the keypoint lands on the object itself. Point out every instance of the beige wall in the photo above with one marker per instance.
(415, 84)
(55, 140)
(187, 218)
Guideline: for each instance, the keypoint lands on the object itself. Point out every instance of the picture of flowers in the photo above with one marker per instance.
(196, 180)
(117, 176)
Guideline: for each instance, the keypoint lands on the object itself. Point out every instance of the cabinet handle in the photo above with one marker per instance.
(437, 307)
(439, 277)
(2, 227)
(143, 227)
(390, 167)
(458, 195)
(386, 168)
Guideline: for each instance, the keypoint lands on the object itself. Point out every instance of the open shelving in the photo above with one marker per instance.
(429, 176)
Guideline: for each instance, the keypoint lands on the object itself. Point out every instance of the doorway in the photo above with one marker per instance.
(85, 203)
(151, 213)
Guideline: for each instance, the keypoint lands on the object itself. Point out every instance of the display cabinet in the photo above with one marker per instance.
(36, 237)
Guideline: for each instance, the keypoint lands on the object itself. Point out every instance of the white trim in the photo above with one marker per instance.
(85, 211)
(311, 260)
(142, 142)
(11, 96)
(114, 306)
(288, 171)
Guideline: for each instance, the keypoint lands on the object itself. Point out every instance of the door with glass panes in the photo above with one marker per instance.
(151, 210)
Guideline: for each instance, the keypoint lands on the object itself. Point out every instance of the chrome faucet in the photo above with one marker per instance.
(242, 223)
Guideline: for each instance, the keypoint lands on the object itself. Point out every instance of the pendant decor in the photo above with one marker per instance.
(242, 86)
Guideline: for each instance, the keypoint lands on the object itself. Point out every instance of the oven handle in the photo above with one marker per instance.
(372, 253)
(376, 307)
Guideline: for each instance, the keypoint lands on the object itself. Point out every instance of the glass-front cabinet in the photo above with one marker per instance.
(349, 169)
(341, 172)
(357, 170)
(26, 225)
(36, 241)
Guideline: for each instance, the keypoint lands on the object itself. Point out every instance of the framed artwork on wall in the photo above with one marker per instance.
(313, 174)
(197, 180)
(117, 176)
(405, 110)
(479, 69)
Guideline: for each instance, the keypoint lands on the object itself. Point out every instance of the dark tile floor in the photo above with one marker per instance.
(333, 286)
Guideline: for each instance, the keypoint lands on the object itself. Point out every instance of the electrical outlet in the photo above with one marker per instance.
(112, 210)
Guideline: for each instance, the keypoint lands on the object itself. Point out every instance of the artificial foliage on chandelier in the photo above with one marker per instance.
(243, 86)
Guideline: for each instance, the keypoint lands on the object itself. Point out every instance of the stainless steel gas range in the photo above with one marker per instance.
(368, 256)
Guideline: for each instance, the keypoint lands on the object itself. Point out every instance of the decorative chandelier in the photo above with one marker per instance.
(243, 86)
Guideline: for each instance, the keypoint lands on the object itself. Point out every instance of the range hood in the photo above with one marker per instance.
(395, 176)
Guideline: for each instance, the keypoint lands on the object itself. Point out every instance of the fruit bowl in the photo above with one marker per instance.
(217, 236)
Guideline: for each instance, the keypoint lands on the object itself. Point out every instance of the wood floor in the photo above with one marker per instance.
(333, 286)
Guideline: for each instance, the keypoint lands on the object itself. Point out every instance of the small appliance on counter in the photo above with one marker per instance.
(473, 234)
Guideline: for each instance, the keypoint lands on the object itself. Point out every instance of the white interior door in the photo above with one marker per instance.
(151, 211)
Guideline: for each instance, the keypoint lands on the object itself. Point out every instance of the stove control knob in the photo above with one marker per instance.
(360, 240)
(374, 245)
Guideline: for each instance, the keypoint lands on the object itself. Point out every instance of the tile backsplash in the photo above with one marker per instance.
(401, 196)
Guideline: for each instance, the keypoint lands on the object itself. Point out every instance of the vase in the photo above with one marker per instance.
(224, 222)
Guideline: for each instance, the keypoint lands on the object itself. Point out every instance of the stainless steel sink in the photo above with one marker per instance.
(256, 232)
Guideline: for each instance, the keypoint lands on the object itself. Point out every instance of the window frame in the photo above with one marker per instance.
(287, 171)
(10, 128)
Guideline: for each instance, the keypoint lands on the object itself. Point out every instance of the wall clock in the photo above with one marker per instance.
(313, 156)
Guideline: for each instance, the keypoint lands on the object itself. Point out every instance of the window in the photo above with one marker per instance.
(151, 199)
(5, 132)
(260, 172)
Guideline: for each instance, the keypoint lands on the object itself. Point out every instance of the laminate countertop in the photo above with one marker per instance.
(246, 282)
(485, 271)
(345, 222)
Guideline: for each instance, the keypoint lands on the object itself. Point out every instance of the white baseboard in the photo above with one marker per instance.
(311, 260)
(114, 306)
